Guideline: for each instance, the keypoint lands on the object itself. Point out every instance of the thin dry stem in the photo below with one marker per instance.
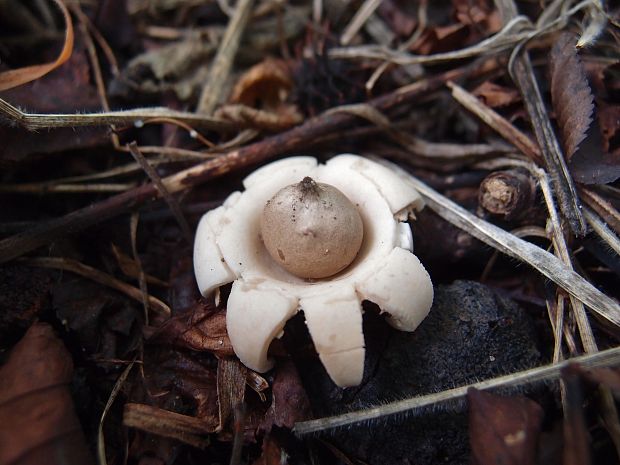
(98, 276)
(135, 117)
(606, 358)
(361, 16)
(222, 63)
(559, 244)
(133, 233)
(120, 382)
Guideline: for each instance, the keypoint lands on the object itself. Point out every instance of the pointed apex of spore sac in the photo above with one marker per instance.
(308, 187)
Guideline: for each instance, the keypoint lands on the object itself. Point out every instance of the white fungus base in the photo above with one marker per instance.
(264, 296)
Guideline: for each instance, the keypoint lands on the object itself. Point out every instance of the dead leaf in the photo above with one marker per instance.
(440, 39)
(39, 424)
(591, 164)
(200, 328)
(265, 85)
(189, 375)
(290, 402)
(24, 294)
(495, 96)
(181, 67)
(102, 322)
(479, 14)
(271, 453)
(399, 21)
(503, 430)
(609, 122)
(570, 93)
(19, 76)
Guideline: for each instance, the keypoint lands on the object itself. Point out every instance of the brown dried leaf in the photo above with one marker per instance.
(495, 95)
(189, 375)
(591, 164)
(609, 121)
(39, 424)
(24, 294)
(290, 403)
(570, 93)
(17, 77)
(265, 85)
(271, 453)
(199, 329)
(397, 19)
(440, 39)
(503, 429)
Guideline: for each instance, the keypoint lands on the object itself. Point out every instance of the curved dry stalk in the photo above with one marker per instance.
(100, 277)
(101, 456)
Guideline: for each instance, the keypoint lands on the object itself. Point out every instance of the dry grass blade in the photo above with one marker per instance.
(226, 53)
(17, 77)
(546, 263)
(606, 358)
(570, 93)
(496, 121)
(360, 17)
(98, 276)
(601, 229)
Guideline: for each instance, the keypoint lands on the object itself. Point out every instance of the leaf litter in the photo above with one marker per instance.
(284, 79)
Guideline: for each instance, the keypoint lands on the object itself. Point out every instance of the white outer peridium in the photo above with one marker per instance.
(264, 296)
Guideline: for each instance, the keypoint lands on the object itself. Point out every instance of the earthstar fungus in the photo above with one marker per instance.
(241, 242)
